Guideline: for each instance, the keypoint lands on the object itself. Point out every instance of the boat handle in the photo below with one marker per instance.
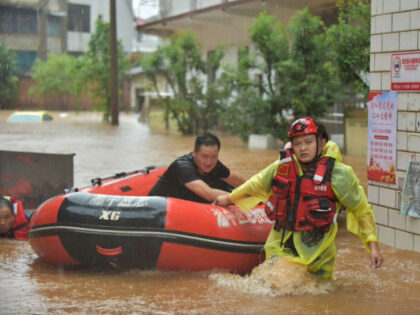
(109, 251)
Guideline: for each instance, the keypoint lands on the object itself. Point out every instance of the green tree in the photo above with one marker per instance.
(245, 111)
(57, 76)
(349, 41)
(95, 67)
(295, 76)
(308, 78)
(194, 103)
(8, 78)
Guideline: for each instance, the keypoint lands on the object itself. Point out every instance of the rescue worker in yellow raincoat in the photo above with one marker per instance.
(304, 191)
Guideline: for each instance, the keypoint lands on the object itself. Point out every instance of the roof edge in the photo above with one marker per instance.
(166, 20)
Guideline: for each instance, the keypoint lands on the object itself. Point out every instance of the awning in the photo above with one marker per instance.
(234, 14)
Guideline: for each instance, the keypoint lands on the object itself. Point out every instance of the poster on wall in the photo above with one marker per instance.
(410, 203)
(405, 71)
(382, 136)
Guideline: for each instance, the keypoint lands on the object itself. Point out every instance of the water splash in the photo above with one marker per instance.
(276, 277)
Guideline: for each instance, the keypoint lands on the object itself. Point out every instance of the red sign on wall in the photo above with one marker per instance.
(405, 71)
(382, 136)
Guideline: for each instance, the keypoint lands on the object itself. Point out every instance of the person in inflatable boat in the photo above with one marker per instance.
(304, 191)
(14, 223)
(198, 176)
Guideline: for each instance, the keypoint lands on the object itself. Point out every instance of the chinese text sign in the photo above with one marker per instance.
(382, 136)
(405, 71)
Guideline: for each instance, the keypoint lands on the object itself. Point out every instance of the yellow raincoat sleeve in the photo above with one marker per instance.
(256, 189)
(359, 215)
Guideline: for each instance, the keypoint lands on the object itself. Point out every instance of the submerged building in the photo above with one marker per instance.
(34, 28)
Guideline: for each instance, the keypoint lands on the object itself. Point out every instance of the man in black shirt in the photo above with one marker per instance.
(198, 176)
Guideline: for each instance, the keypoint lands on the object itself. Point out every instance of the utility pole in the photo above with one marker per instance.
(113, 82)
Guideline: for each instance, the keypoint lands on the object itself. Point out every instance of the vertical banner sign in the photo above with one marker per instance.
(382, 136)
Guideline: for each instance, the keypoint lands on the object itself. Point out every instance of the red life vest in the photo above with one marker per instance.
(302, 203)
(20, 227)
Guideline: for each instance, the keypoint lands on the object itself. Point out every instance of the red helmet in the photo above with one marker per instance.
(306, 126)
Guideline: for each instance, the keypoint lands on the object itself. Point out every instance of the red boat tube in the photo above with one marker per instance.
(111, 224)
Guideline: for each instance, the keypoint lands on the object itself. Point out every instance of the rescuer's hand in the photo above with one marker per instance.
(375, 255)
(223, 200)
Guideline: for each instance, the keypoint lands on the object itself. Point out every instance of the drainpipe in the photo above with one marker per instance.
(42, 30)
(63, 26)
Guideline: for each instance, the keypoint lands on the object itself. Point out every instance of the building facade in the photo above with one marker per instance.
(34, 28)
(395, 28)
(227, 22)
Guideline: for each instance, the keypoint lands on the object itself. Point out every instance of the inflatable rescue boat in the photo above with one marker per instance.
(114, 223)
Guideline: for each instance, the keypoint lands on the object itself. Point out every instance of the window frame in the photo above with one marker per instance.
(78, 18)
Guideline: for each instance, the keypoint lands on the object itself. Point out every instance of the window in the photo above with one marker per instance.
(243, 52)
(75, 54)
(25, 60)
(79, 18)
(18, 20)
(260, 82)
(53, 26)
(211, 71)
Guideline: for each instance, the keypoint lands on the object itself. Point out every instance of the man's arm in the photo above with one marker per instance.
(234, 179)
(375, 255)
(200, 188)
(360, 218)
(254, 190)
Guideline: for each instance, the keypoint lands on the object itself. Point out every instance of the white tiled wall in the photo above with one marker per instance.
(395, 27)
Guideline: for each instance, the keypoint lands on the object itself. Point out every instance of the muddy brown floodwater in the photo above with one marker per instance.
(29, 286)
